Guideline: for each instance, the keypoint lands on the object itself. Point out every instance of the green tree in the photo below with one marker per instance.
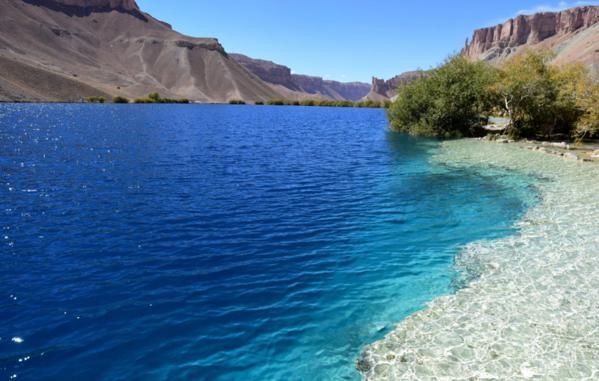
(119, 99)
(587, 125)
(154, 97)
(96, 99)
(446, 103)
(528, 93)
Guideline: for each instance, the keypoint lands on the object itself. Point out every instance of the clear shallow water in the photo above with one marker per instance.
(532, 312)
(224, 242)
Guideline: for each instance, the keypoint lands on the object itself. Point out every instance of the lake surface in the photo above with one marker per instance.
(187, 242)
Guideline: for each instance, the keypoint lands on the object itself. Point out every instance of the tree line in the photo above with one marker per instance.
(151, 98)
(368, 103)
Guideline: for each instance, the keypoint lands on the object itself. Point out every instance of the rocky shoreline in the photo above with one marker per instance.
(583, 152)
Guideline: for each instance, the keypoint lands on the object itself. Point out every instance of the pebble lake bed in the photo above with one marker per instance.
(531, 310)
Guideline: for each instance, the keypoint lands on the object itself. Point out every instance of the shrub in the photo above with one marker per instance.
(96, 99)
(155, 98)
(119, 99)
(259, 103)
(276, 102)
(344, 104)
(236, 102)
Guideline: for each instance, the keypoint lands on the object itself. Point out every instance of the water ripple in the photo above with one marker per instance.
(223, 243)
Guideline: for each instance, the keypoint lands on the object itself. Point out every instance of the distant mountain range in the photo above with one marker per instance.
(66, 50)
(295, 86)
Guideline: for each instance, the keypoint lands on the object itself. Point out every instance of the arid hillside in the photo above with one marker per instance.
(53, 50)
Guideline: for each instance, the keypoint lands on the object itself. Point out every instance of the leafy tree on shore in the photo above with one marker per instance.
(447, 103)
(588, 125)
(587, 100)
(528, 93)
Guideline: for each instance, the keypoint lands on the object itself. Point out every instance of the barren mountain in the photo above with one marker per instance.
(67, 49)
(572, 34)
(295, 86)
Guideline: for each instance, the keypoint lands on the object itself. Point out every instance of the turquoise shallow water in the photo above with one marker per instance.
(224, 242)
(531, 312)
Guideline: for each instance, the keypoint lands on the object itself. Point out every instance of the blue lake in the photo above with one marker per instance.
(188, 242)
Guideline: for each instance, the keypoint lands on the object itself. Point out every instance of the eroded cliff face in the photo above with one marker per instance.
(82, 8)
(266, 70)
(388, 89)
(549, 29)
(297, 86)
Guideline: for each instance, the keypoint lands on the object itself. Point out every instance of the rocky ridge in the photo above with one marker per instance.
(86, 7)
(573, 34)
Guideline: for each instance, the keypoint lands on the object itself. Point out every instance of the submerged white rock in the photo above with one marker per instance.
(534, 311)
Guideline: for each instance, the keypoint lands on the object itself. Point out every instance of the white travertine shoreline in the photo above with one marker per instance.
(533, 313)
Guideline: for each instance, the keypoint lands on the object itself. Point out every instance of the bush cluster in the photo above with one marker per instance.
(236, 102)
(95, 99)
(119, 99)
(541, 100)
(155, 98)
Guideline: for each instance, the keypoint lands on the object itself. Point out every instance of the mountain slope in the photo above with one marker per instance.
(96, 47)
(295, 86)
(573, 35)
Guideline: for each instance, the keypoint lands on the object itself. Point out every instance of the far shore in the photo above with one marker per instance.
(304, 103)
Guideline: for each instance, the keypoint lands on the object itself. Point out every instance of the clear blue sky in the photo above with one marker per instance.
(345, 40)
